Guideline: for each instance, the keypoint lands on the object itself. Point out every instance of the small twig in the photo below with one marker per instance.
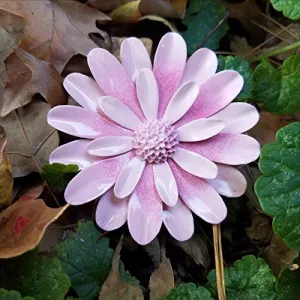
(266, 41)
(219, 262)
(280, 25)
(215, 29)
(276, 51)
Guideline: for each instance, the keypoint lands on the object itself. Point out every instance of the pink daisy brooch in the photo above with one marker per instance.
(156, 143)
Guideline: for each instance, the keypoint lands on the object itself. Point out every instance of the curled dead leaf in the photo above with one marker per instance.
(63, 27)
(114, 288)
(28, 76)
(127, 13)
(161, 280)
(28, 149)
(23, 224)
(6, 179)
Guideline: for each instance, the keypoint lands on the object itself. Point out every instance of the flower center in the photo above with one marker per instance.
(155, 141)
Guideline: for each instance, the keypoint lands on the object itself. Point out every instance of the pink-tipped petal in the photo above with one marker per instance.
(119, 112)
(113, 79)
(168, 67)
(134, 57)
(229, 182)
(199, 196)
(145, 209)
(84, 90)
(110, 145)
(95, 180)
(227, 148)
(181, 102)
(82, 122)
(111, 212)
(215, 93)
(238, 117)
(200, 66)
(199, 130)
(147, 92)
(165, 183)
(195, 164)
(179, 221)
(73, 153)
(129, 177)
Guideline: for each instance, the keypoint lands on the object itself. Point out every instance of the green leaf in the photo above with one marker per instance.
(287, 285)
(34, 275)
(278, 88)
(202, 16)
(278, 189)
(86, 258)
(242, 66)
(12, 295)
(249, 279)
(290, 8)
(58, 175)
(188, 291)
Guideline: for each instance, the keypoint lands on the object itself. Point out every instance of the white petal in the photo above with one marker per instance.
(229, 182)
(181, 102)
(73, 153)
(195, 164)
(129, 177)
(200, 66)
(165, 183)
(238, 117)
(199, 130)
(179, 221)
(134, 56)
(119, 112)
(111, 212)
(147, 91)
(110, 145)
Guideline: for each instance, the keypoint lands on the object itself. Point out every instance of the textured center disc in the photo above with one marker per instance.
(155, 141)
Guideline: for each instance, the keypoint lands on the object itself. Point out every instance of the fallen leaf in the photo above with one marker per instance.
(114, 288)
(23, 224)
(6, 179)
(62, 27)
(169, 24)
(278, 255)
(107, 5)
(40, 77)
(248, 13)
(269, 123)
(161, 280)
(164, 8)
(11, 33)
(127, 13)
(196, 248)
(28, 149)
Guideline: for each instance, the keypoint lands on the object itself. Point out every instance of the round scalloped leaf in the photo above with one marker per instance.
(290, 8)
(278, 189)
(12, 295)
(188, 291)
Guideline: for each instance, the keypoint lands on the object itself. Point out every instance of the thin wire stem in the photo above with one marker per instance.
(219, 262)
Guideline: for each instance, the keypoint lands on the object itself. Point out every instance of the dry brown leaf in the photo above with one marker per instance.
(127, 13)
(23, 224)
(28, 148)
(161, 280)
(114, 288)
(196, 248)
(164, 8)
(61, 27)
(28, 76)
(265, 130)
(248, 13)
(278, 255)
(153, 18)
(6, 179)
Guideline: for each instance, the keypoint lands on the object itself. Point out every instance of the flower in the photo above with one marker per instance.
(155, 143)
